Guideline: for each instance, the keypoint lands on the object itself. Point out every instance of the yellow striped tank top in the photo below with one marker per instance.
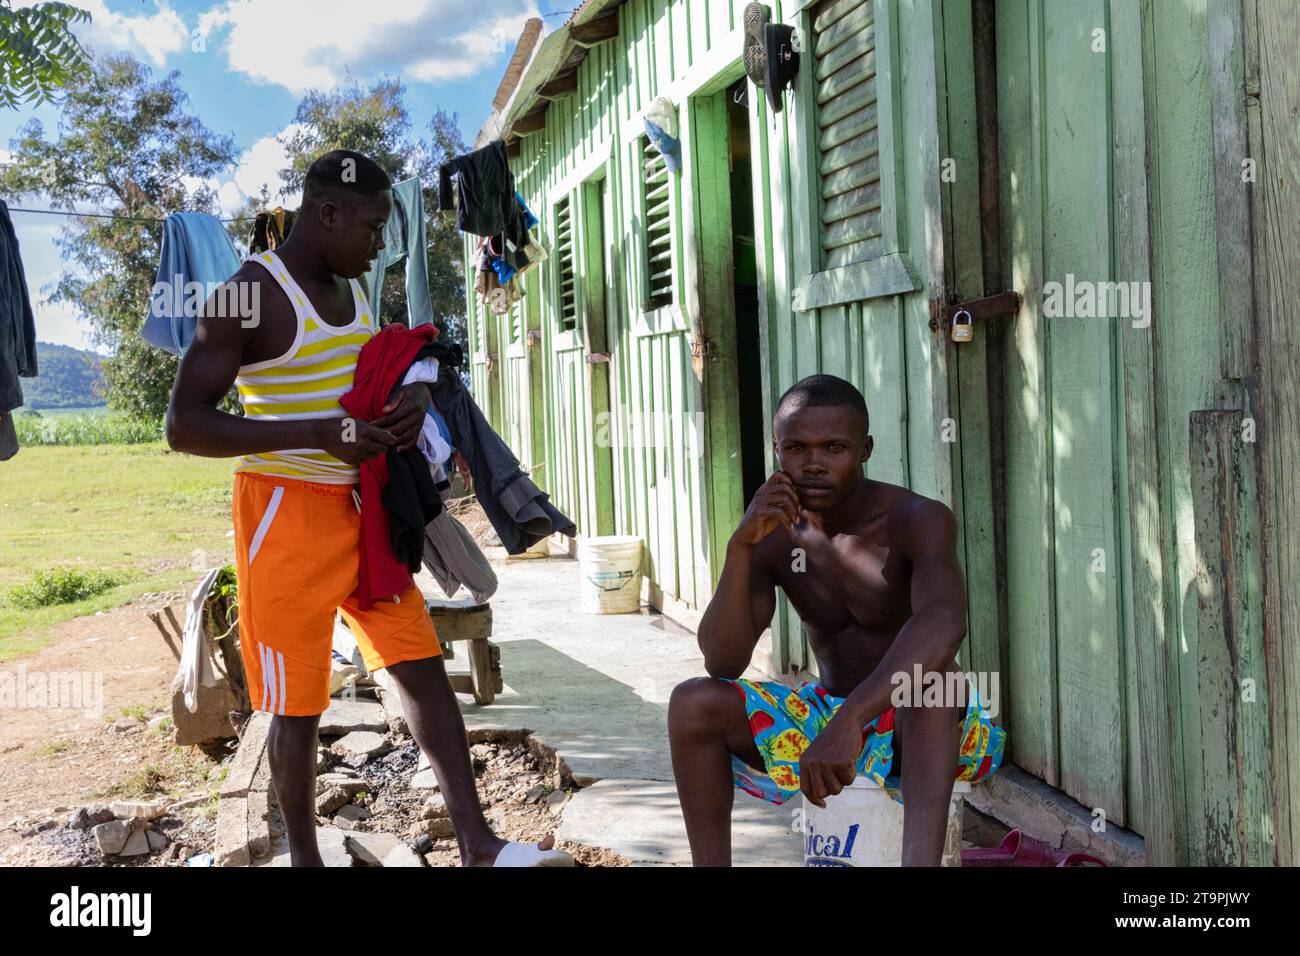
(306, 382)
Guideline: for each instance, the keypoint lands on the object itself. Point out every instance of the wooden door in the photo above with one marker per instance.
(1067, 676)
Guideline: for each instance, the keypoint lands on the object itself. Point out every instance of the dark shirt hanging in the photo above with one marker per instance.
(485, 190)
(520, 512)
(17, 324)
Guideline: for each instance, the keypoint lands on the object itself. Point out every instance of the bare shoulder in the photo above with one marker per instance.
(916, 518)
(251, 308)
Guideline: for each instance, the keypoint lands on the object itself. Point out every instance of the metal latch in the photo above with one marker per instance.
(702, 346)
(990, 307)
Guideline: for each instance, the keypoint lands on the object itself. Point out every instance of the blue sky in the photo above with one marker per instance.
(258, 58)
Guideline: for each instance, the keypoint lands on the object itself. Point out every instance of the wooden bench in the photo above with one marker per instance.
(463, 620)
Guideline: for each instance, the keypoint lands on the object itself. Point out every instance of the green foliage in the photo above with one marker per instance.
(446, 258)
(38, 51)
(125, 144)
(35, 429)
(60, 586)
(222, 605)
(374, 121)
(69, 378)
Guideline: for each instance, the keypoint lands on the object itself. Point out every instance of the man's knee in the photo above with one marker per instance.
(696, 705)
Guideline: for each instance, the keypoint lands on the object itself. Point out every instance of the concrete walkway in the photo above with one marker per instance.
(595, 688)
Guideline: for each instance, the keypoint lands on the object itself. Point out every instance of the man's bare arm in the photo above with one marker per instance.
(196, 426)
(742, 607)
(737, 614)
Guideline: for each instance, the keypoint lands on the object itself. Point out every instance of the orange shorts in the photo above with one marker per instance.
(297, 560)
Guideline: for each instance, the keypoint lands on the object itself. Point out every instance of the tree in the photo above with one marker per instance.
(38, 51)
(374, 121)
(446, 257)
(124, 144)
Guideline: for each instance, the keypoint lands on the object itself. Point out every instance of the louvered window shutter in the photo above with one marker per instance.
(656, 213)
(844, 64)
(564, 266)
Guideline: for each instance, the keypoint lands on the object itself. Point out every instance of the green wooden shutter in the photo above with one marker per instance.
(564, 265)
(656, 213)
(848, 155)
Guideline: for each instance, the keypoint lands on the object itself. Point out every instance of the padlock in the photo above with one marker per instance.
(962, 331)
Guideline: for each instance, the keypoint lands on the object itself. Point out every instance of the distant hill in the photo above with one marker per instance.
(68, 378)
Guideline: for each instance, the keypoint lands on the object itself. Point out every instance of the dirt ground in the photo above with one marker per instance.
(515, 780)
(55, 759)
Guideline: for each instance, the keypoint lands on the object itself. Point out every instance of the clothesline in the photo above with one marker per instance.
(104, 215)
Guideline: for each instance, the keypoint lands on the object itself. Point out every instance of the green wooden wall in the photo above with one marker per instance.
(1115, 438)
(672, 483)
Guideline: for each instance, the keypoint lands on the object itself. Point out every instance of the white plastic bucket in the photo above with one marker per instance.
(862, 825)
(611, 574)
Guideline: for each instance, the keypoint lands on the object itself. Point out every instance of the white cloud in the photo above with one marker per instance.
(152, 36)
(60, 324)
(316, 44)
(258, 165)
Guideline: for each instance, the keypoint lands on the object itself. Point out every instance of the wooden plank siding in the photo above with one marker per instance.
(659, 486)
(1143, 572)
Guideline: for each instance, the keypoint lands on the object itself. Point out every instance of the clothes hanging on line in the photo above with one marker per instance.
(196, 256)
(8, 437)
(405, 237)
(529, 219)
(500, 266)
(496, 297)
(484, 190)
(17, 329)
(270, 228)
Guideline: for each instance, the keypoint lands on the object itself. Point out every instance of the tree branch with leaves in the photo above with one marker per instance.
(38, 52)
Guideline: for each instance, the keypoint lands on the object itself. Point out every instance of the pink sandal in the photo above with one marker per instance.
(1017, 849)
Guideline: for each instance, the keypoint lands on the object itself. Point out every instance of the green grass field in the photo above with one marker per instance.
(143, 511)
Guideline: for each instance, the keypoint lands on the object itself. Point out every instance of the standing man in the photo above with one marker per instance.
(295, 504)
(872, 570)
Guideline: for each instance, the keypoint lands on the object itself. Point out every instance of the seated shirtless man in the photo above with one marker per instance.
(297, 530)
(872, 570)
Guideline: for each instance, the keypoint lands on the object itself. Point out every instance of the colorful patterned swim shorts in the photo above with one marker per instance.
(784, 722)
